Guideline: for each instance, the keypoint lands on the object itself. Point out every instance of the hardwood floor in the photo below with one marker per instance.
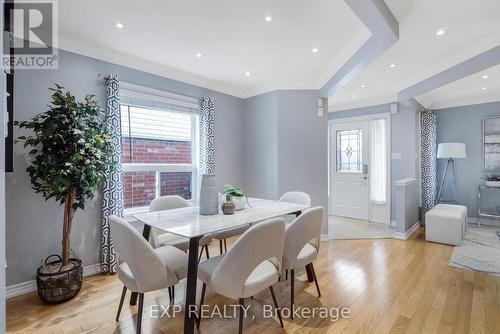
(390, 286)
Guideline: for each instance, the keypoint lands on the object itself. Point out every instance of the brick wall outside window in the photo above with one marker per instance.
(140, 187)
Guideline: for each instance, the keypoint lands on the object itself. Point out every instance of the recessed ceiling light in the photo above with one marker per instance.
(441, 32)
(485, 77)
(484, 88)
(363, 86)
(314, 50)
(199, 55)
(248, 73)
(354, 95)
(392, 65)
(119, 25)
(268, 18)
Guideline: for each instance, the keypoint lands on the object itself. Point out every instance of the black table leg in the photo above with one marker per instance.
(192, 278)
(146, 232)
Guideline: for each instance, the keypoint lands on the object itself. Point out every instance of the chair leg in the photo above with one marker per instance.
(225, 246)
(122, 298)
(286, 275)
(170, 294)
(201, 254)
(292, 292)
(315, 279)
(310, 277)
(202, 299)
(242, 313)
(206, 252)
(220, 247)
(139, 312)
(278, 310)
(173, 294)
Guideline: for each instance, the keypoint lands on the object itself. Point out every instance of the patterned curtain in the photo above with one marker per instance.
(207, 136)
(428, 157)
(112, 194)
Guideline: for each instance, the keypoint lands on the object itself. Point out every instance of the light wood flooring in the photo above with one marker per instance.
(390, 286)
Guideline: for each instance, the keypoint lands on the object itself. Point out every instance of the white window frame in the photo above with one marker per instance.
(193, 167)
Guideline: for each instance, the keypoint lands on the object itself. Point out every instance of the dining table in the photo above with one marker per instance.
(189, 223)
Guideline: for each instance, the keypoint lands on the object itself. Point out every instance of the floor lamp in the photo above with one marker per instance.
(450, 151)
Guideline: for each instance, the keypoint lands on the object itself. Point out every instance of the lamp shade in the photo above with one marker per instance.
(451, 150)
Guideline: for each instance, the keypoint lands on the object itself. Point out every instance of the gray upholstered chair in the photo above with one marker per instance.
(144, 269)
(302, 238)
(252, 265)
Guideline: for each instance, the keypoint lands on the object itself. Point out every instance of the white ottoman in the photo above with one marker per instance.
(446, 224)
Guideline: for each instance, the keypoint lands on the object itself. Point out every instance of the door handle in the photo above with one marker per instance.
(365, 169)
(365, 177)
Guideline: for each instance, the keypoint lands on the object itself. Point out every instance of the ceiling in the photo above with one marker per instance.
(472, 27)
(164, 36)
(467, 91)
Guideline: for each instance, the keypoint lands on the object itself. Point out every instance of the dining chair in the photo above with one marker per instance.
(301, 248)
(144, 268)
(252, 265)
(229, 233)
(297, 197)
(159, 238)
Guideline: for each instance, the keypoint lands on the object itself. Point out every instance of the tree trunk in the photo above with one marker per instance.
(68, 218)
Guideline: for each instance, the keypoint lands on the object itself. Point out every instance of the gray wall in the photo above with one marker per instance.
(403, 141)
(260, 143)
(286, 146)
(34, 227)
(303, 147)
(465, 125)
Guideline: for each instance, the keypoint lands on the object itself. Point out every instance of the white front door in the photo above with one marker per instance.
(349, 154)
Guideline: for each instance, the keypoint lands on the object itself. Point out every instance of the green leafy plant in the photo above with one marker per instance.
(492, 177)
(231, 190)
(70, 149)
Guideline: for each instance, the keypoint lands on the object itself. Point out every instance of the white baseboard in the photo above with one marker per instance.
(30, 286)
(325, 237)
(407, 234)
(485, 222)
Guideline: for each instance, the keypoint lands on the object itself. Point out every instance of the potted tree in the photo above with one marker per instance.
(70, 149)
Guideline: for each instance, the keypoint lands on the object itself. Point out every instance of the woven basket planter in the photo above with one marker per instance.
(57, 284)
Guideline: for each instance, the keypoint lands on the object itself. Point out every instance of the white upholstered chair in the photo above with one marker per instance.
(252, 265)
(159, 238)
(297, 197)
(144, 269)
(302, 238)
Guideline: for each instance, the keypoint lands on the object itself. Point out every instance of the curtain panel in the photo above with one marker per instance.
(428, 161)
(112, 193)
(207, 136)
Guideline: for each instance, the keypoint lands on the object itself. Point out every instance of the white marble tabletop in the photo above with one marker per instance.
(187, 222)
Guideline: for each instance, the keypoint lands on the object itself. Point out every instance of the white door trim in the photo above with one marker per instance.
(387, 117)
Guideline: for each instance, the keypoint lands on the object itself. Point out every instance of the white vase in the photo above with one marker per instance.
(493, 184)
(239, 202)
(209, 199)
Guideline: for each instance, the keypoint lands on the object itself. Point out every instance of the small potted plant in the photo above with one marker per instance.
(70, 150)
(236, 195)
(492, 180)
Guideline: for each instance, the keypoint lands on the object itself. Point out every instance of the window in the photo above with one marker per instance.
(159, 152)
(378, 161)
(349, 151)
